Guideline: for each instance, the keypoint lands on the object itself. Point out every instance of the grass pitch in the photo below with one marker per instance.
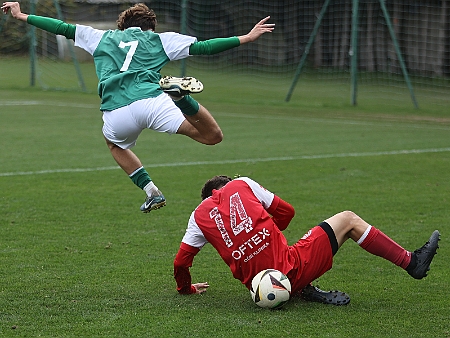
(80, 260)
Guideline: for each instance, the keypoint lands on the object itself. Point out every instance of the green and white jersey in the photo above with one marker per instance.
(128, 62)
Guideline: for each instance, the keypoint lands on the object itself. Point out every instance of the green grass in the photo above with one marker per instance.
(79, 260)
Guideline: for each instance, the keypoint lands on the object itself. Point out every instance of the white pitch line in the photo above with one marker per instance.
(40, 103)
(252, 160)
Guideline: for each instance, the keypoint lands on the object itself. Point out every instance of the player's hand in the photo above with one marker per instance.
(200, 287)
(15, 10)
(259, 29)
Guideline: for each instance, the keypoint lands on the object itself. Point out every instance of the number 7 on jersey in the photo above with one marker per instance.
(133, 45)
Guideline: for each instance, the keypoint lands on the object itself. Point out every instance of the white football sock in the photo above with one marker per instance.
(150, 188)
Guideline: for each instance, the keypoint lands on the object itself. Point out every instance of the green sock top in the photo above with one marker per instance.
(141, 178)
(188, 105)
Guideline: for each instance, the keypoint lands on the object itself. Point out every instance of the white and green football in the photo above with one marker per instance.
(270, 289)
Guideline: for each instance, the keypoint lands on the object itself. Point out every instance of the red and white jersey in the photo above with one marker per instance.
(236, 220)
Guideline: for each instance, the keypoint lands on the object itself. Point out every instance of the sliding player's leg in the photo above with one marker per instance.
(349, 225)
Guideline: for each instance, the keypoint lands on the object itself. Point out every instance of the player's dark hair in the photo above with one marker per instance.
(214, 183)
(138, 15)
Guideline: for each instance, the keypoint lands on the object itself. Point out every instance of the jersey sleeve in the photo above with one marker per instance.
(176, 46)
(282, 213)
(88, 38)
(181, 264)
(193, 235)
(213, 46)
(51, 25)
(191, 244)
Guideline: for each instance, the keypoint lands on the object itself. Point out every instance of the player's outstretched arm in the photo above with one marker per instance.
(15, 10)
(218, 45)
(200, 287)
(48, 24)
(259, 29)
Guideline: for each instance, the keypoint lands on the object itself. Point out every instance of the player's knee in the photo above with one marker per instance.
(350, 217)
(218, 136)
(215, 136)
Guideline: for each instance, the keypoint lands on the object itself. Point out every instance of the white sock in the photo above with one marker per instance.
(150, 188)
(364, 235)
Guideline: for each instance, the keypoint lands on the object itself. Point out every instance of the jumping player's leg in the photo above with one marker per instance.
(121, 130)
(123, 126)
(349, 225)
(199, 125)
(125, 158)
(131, 164)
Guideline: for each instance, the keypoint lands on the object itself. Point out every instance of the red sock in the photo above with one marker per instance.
(377, 243)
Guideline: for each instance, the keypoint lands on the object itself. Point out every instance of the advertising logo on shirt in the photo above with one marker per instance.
(253, 246)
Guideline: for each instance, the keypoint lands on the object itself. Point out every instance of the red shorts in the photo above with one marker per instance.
(313, 257)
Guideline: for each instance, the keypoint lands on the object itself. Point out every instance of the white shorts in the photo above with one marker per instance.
(122, 126)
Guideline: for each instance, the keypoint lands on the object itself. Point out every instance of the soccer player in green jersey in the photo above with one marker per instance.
(128, 61)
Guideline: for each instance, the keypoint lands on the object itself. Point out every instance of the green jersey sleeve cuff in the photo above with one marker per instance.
(213, 46)
(53, 25)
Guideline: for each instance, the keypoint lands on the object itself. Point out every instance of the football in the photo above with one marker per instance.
(270, 289)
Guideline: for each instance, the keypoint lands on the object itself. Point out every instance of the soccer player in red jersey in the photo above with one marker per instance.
(244, 222)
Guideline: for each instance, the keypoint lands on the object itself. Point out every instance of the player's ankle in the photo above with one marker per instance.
(176, 98)
(188, 105)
